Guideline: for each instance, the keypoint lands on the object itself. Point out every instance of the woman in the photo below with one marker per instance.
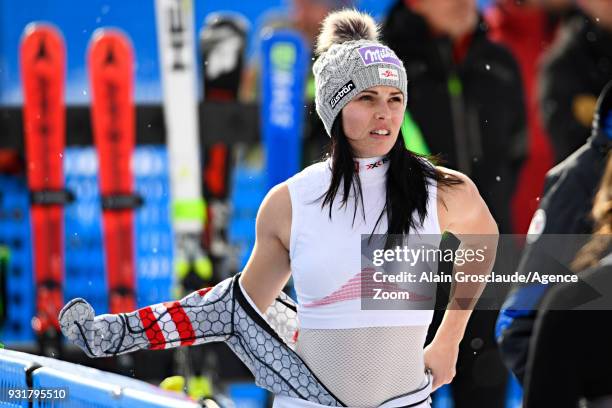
(311, 226)
(369, 184)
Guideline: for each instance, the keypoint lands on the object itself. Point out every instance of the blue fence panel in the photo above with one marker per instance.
(81, 392)
(85, 392)
(86, 387)
(79, 370)
(12, 377)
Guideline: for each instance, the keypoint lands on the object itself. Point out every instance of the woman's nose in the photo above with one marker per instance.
(382, 112)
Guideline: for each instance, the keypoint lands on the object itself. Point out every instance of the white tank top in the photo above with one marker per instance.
(325, 254)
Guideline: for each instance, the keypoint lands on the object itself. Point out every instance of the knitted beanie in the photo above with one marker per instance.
(351, 59)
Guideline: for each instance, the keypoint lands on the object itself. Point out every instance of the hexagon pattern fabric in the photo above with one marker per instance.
(221, 313)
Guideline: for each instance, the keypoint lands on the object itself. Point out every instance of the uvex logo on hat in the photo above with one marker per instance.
(388, 73)
(342, 92)
(378, 54)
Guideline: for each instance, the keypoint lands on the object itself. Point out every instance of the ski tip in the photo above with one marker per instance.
(41, 27)
(111, 47)
(42, 40)
(111, 35)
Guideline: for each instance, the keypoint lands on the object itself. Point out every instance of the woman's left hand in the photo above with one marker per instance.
(441, 359)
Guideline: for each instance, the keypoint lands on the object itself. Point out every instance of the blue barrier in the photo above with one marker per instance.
(12, 377)
(93, 393)
(86, 387)
(81, 392)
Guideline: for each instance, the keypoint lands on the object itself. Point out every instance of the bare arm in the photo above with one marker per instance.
(461, 211)
(466, 215)
(268, 270)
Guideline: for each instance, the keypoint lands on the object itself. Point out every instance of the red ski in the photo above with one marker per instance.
(111, 68)
(42, 58)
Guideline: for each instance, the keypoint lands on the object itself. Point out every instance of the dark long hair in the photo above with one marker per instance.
(408, 176)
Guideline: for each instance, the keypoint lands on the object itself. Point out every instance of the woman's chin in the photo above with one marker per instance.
(381, 150)
(380, 147)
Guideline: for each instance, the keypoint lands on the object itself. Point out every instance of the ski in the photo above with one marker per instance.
(176, 42)
(111, 72)
(176, 36)
(222, 46)
(283, 80)
(42, 57)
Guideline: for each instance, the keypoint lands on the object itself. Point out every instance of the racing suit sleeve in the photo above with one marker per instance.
(197, 318)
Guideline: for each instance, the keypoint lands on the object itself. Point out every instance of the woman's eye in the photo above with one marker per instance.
(365, 98)
(396, 99)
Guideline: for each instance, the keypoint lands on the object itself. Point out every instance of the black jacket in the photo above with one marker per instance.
(567, 200)
(576, 68)
(572, 357)
(478, 122)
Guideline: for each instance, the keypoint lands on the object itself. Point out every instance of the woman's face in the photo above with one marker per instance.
(371, 120)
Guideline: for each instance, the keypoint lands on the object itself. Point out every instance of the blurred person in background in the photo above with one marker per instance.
(574, 72)
(466, 99)
(511, 23)
(466, 94)
(564, 209)
(582, 337)
(305, 16)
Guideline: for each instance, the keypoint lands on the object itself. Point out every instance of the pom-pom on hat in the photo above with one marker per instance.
(352, 59)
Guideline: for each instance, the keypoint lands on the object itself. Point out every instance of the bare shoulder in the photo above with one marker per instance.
(465, 191)
(277, 199)
(274, 215)
(461, 209)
